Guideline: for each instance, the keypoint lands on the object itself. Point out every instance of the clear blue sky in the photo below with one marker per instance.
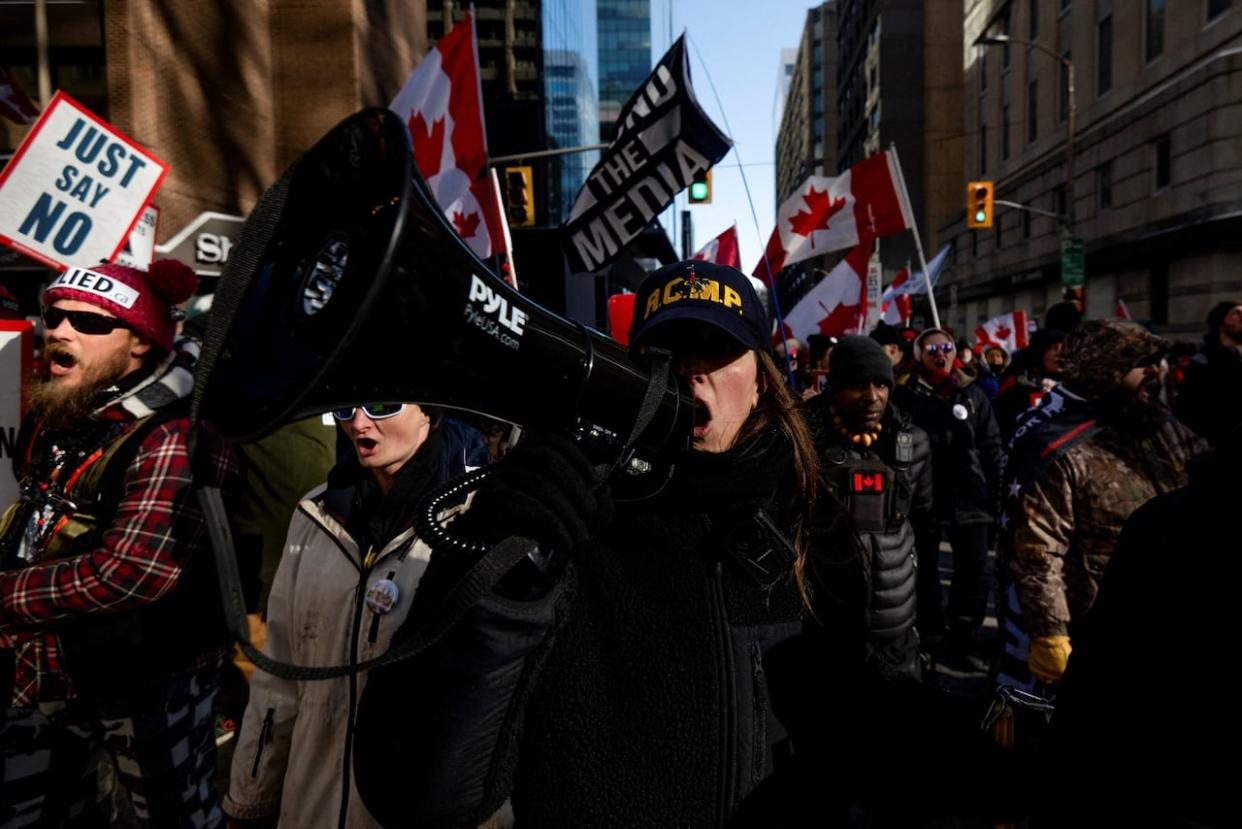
(740, 42)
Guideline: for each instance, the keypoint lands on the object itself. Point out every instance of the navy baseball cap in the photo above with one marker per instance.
(703, 291)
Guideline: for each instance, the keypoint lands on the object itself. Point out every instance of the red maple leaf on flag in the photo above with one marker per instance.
(820, 210)
(1002, 333)
(839, 320)
(428, 144)
(466, 225)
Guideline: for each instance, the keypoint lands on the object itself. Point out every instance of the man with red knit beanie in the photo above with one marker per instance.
(110, 628)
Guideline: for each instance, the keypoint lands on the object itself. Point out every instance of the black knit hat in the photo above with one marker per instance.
(886, 334)
(856, 360)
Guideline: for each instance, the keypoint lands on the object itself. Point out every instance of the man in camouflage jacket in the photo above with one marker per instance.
(1097, 448)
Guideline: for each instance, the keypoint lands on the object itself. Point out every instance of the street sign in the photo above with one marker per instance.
(1073, 262)
(16, 355)
(75, 188)
(205, 243)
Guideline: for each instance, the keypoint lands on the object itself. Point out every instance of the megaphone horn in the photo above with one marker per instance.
(348, 286)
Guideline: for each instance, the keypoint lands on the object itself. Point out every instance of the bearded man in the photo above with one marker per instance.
(110, 627)
(1098, 447)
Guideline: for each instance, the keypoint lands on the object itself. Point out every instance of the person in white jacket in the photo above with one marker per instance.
(344, 585)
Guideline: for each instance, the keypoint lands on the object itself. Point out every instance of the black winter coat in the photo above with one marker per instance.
(967, 457)
(634, 693)
(1209, 399)
(908, 513)
(1142, 709)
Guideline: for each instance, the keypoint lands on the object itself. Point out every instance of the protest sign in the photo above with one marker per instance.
(75, 188)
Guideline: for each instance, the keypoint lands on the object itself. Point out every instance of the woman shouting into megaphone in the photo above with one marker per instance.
(624, 680)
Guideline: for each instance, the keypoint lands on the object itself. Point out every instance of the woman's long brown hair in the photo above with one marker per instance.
(776, 407)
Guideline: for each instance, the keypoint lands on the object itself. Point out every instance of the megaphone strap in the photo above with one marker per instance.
(480, 579)
(657, 382)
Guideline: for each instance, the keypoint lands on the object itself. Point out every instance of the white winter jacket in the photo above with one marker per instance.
(294, 743)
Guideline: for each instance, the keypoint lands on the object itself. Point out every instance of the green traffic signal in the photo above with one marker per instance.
(979, 204)
(701, 187)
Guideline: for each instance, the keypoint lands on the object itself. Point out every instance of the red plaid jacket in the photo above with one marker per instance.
(138, 561)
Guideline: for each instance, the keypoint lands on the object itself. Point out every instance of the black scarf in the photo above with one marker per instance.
(718, 482)
(376, 517)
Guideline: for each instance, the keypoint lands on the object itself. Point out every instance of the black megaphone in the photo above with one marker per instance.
(348, 286)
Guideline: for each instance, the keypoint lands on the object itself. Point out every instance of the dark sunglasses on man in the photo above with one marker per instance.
(945, 348)
(375, 411)
(84, 322)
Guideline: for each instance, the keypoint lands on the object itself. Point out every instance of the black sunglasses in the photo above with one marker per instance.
(943, 347)
(84, 322)
(375, 411)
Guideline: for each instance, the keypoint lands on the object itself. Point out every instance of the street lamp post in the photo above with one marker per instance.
(1067, 219)
(1067, 222)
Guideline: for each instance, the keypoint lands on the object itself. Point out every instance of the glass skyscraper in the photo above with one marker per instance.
(624, 56)
(571, 110)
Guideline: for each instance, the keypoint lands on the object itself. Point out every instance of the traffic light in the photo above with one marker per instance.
(979, 204)
(520, 196)
(701, 188)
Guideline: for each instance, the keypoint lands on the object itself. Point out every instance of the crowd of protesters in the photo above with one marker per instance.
(758, 643)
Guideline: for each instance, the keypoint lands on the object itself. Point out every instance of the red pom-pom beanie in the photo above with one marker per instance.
(146, 300)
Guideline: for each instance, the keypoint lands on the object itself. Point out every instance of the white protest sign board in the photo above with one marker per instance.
(16, 355)
(75, 188)
(875, 275)
(139, 249)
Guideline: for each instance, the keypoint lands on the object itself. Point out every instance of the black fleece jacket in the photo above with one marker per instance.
(634, 693)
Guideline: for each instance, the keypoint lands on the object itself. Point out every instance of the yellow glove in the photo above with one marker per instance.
(1048, 657)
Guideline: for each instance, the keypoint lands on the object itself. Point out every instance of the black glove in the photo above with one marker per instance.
(545, 489)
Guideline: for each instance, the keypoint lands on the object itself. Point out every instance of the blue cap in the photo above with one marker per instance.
(702, 291)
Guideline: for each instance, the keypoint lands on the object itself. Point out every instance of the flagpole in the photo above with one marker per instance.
(503, 217)
(907, 316)
(773, 288)
(904, 195)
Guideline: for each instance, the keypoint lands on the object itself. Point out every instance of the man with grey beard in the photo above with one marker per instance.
(110, 627)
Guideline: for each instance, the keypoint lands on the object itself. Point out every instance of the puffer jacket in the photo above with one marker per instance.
(967, 457)
(635, 692)
(907, 513)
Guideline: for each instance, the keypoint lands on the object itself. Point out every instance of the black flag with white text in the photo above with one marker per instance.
(663, 139)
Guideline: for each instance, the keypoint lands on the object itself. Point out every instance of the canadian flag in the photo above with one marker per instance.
(827, 214)
(722, 250)
(1123, 310)
(838, 304)
(14, 104)
(896, 311)
(442, 107)
(905, 283)
(895, 302)
(1007, 331)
